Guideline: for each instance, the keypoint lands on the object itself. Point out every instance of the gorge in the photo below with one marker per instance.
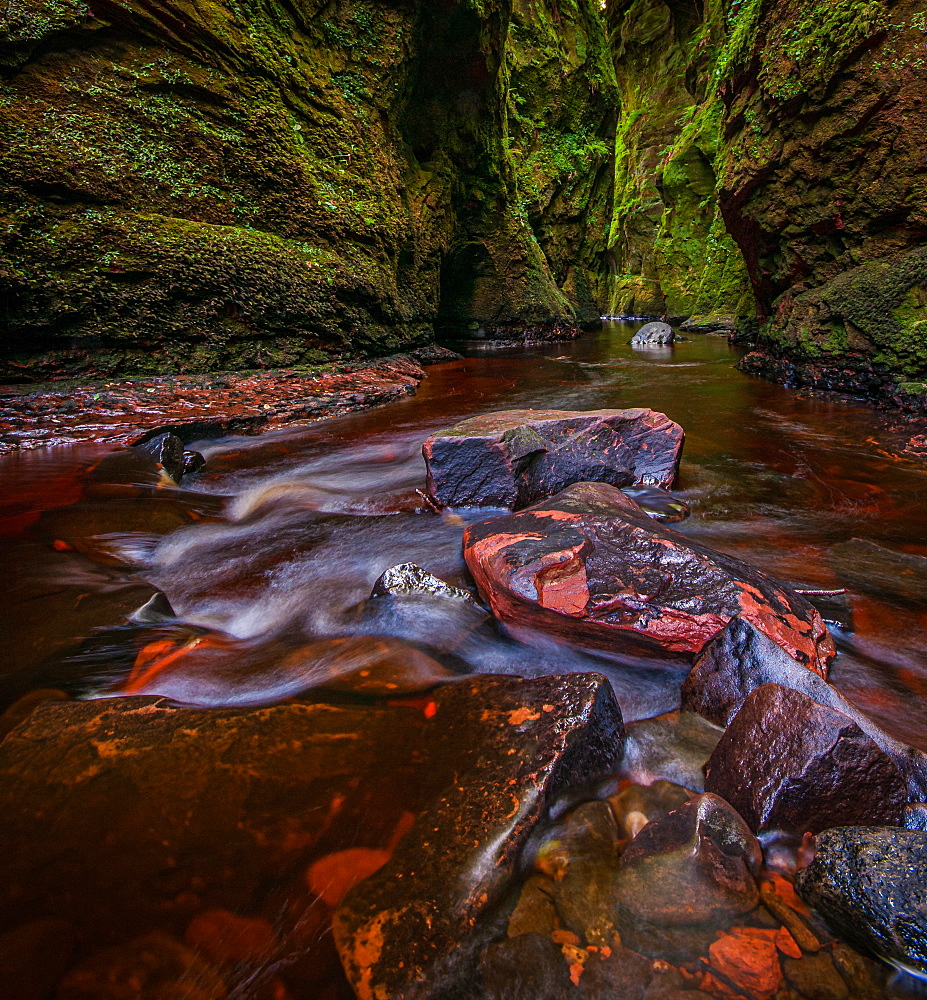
(411, 590)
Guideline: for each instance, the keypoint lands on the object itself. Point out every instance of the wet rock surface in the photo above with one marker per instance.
(590, 566)
(742, 659)
(513, 458)
(685, 876)
(213, 817)
(407, 579)
(653, 335)
(414, 925)
(192, 407)
(672, 747)
(870, 883)
(787, 763)
(873, 569)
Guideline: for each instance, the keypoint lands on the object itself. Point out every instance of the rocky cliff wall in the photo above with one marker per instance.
(669, 247)
(194, 186)
(824, 178)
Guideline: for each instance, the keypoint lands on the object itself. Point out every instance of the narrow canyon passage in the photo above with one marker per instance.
(277, 544)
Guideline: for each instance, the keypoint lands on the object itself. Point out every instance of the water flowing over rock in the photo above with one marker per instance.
(411, 929)
(515, 457)
(591, 567)
(742, 658)
(788, 763)
(870, 883)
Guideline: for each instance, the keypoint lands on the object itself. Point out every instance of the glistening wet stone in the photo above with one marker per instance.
(787, 763)
(742, 658)
(513, 458)
(155, 814)
(870, 883)
(589, 566)
(413, 929)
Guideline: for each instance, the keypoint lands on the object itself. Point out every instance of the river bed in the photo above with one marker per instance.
(280, 539)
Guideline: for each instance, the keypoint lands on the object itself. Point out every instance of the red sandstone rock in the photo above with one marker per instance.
(590, 566)
(513, 458)
(194, 406)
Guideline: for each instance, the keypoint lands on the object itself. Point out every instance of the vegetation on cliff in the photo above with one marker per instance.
(216, 185)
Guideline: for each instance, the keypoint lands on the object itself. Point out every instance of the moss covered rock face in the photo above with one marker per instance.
(193, 186)
(823, 176)
(670, 250)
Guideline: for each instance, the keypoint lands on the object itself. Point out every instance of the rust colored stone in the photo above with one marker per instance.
(134, 410)
(590, 566)
(417, 924)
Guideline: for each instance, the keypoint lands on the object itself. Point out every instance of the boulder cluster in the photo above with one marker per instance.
(408, 832)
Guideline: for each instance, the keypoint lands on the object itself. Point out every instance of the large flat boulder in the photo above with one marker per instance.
(788, 763)
(589, 566)
(513, 458)
(870, 883)
(741, 659)
(415, 927)
(203, 824)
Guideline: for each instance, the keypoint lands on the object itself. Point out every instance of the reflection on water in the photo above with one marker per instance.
(278, 544)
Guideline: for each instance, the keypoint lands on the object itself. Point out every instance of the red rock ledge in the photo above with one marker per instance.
(123, 410)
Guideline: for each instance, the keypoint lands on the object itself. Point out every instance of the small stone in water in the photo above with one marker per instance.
(228, 939)
(153, 967)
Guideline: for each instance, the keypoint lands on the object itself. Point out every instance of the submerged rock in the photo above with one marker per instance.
(742, 658)
(672, 747)
(591, 567)
(653, 335)
(637, 805)
(413, 928)
(695, 864)
(153, 967)
(870, 884)
(787, 763)
(513, 458)
(873, 569)
(692, 870)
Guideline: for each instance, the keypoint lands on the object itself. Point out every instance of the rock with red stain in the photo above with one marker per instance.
(788, 763)
(513, 458)
(416, 927)
(591, 567)
(747, 956)
(153, 814)
(742, 658)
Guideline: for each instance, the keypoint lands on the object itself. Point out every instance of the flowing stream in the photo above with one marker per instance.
(280, 540)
